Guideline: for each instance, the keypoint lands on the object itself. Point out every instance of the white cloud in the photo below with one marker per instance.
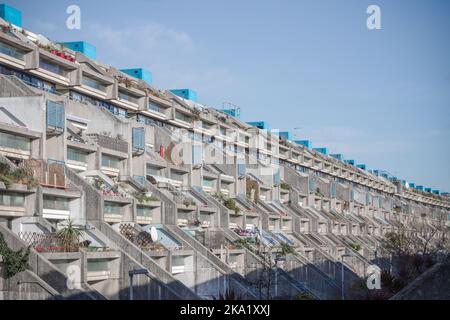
(46, 27)
(141, 40)
(171, 55)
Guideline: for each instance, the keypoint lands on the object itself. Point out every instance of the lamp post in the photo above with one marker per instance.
(131, 274)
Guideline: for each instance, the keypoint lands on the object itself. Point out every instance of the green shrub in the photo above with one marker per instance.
(231, 204)
(14, 261)
(285, 186)
(142, 197)
(355, 246)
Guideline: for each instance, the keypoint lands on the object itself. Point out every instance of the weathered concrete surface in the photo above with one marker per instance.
(25, 286)
(48, 273)
(434, 284)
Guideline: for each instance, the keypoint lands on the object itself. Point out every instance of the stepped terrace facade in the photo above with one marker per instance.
(150, 179)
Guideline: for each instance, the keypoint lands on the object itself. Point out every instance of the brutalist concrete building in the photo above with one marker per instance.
(150, 179)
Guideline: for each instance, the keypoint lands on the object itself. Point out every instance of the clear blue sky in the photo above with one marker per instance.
(380, 97)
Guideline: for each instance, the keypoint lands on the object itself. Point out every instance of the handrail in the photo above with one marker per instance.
(219, 264)
(53, 294)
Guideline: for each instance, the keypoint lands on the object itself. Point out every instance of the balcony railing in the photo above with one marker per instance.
(47, 242)
(51, 174)
(138, 140)
(110, 143)
(55, 117)
(140, 238)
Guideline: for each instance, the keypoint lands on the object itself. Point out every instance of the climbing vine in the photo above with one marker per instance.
(13, 261)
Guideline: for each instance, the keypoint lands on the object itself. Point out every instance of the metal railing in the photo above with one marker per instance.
(47, 242)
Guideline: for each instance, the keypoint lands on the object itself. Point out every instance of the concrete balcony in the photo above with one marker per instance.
(13, 199)
(13, 52)
(110, 143)
(53, 68)
(51, 174)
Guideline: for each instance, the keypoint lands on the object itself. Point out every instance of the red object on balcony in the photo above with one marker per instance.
(161, 151)
(54, 52)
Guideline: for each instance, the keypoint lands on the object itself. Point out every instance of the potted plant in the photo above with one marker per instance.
(70, 236)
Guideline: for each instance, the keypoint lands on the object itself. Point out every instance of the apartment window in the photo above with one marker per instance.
(242, 169)
(12, 200)
(232, 259)
(177, 261)
(196, 154)
(154, 107)
(138, 139)
(261, 156)
(277, 177)
(208, 182)
(95, 265)
(140, 179)
(206, 125)
(333, 189)
(127, 97)
(239, 150)
(52, 67)
(62, 264)
(75, 96)
(112, 208)
(87, 81)
(144, 212)
(56, 203)
(182, 117)
(11, 51)
(223, 131)
(14, 142)
(55, 114)
(76, 155)
(146, 120)
(32, 81)
(110, 162)
(208, 139)
(312, 185)
(177, 176)
(120, 112)
(195, 136)
(152, 171)
(88, 100)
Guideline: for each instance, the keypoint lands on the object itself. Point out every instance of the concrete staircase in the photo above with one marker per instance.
(47, 275)
(127, 248)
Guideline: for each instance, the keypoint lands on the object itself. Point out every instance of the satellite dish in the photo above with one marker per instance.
(154, 234)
